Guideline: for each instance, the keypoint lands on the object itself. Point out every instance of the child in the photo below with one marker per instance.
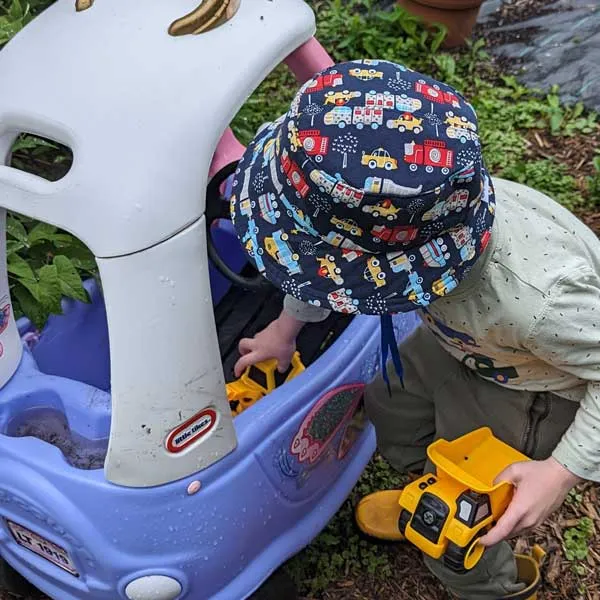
(389, 202)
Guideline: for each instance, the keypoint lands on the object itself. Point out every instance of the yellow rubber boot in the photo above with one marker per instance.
(529, 574)
(377, 515)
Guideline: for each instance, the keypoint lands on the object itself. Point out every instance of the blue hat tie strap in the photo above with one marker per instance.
(390, 346)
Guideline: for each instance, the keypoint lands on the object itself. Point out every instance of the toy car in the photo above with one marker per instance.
(124, 474)
(347, 225)
(407, 122)
(329, 270)
(385, 208)
(366, 74)
(373, 272)
(340, 98)
(379, 159)
(445, 514)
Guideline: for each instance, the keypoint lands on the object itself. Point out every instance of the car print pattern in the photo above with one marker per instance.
(370, 195)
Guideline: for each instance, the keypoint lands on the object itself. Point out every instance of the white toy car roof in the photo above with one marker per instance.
(143, 112)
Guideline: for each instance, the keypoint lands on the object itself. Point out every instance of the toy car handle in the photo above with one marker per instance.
(304, 62)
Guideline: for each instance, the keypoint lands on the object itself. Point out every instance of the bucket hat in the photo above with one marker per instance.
(370, 194)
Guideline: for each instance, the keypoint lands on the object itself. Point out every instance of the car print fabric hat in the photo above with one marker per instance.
(370, 195)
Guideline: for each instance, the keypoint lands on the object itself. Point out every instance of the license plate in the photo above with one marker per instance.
(42, 547)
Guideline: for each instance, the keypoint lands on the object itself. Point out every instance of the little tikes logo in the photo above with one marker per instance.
(191, 431)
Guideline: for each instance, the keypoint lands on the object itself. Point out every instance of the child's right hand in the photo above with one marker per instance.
(278, 341)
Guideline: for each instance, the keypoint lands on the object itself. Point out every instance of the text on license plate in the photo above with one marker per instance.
(42, 547)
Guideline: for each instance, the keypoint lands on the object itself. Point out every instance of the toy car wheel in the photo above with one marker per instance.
(339, 225)
(413, 167)
(391, 217)
(419, 280)
(418, 130)
(14, 583)
(295, 257)
(329, 258)
(319, 158)
(377, 240)
(284, 237)
(375, 213)
(427, 296)
(341, 124)
(374, 125)
(359, 126)
(389, 166)
(277, 214)
(429, 169)
(381, 276)
(372, 164)
(401, 128)
(374, 262)
(412, 258)
(450, 113)
(260, 251)
(278, 587)
(337, 270)
(445, 171)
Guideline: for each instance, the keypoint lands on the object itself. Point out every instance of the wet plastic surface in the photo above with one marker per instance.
(559, 44)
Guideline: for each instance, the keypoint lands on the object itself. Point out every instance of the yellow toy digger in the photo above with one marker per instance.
(246, 391)
(444, 515)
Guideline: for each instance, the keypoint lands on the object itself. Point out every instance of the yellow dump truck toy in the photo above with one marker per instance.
(246, 391)
(444, 515)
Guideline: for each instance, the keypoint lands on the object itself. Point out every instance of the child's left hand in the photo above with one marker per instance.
(540, 488)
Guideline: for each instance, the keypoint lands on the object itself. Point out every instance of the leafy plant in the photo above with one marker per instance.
(549, 177)
(44, 265)
(593, 181)
(577, 540)
(341, 550)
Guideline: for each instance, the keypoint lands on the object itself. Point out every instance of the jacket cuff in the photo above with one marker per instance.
(573, 457)
(303, 311)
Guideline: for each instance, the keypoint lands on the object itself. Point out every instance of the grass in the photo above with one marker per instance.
(527, 136)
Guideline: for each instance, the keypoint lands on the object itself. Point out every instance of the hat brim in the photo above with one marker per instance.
(281, 243)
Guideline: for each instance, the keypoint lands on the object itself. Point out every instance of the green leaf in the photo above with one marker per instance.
(12, 247)
(50, 293)
(29, 306)
(70, 282)
(42, 231)
(16, 229)
(555, 122)
(20, 268)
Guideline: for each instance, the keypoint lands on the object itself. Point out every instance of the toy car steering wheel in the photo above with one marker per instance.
(218, 208)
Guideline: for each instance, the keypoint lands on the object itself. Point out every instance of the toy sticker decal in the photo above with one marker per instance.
(4, 316)
(191, 431)
(324, 420)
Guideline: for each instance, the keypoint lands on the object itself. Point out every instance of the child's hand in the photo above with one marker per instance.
(278, 341)
(541, 487)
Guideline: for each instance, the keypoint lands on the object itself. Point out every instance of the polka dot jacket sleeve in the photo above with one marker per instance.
(567, 336)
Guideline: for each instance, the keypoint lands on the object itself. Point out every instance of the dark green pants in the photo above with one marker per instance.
(442, 398)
